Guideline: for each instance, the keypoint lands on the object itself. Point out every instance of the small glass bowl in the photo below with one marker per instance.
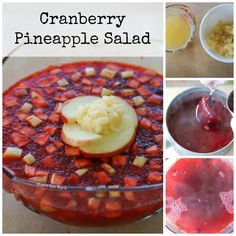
(185, 12)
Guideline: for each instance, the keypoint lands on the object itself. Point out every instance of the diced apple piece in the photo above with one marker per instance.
(12, 152)
(152, 151)
(90, 71)
(94, 203)
(142, 111)
(114, 143)
(127, 74)
(26, 107)
(62, 82)
(155, 99)
(86, 82)
(81, 172)
(112, 206)
(57, 179)
(106, 92)
(71, 106)
(21, 115)
(51, 148)
(30, 170)
(72, 151)
(109, 169)
(139, 161)
(127, 92)
(138, 100)
(20, 92)
(38, 100)
(133, 83)
(108, 73)
(19, 139)
(42, 139)
(82, 163)
(154, 177)
(143, 91)
(145, 123)
(29, 159)
(10, 101)
(103, 177)
(33, 120)
(130, 181)
(129, 195)
(120, 160)
(75, 136)
(76, 76)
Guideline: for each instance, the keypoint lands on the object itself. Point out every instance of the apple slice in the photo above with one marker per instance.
(74, 135)
(70, 107)
(115, 142)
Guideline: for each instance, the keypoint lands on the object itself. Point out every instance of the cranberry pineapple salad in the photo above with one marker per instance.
(85, 124)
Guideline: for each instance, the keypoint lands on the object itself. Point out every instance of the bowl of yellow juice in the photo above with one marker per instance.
(180, 27)
(216, 33)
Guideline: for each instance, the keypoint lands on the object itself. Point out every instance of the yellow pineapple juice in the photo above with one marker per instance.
(177, 32)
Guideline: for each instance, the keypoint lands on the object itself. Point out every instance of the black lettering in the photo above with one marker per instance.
(92, 20)
(82, 19)
(146, 38)
(62, 20)
(42, 16)
(110, 19)
(121, 19)
(100, 22)
(19, 36)
(108, 38)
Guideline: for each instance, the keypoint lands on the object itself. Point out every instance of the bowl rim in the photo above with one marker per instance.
(88, 188)
(210, 52)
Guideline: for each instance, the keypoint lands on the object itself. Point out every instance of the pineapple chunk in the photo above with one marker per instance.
(29, 159)
(90, 71)
(114, 194)
(108, 168)
(106, 92)
(12, 152)
(138, 100)
(41, 179)
(34, 120)
(127, 74)
(108, 73)
(139, 161)
(26, 107)
(75, 77)
(81, 172)
(62, 82)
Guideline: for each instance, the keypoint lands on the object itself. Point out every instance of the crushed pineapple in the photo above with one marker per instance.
(101, 116)
(221, 39)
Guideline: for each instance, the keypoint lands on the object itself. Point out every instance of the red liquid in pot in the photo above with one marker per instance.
(187, 131)
(199, 195)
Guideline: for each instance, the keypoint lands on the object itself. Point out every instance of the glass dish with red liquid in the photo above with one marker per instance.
(189, 132)
(49, 185)
(199, 195)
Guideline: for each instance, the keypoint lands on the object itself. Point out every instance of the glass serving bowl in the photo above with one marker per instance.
(78, 205)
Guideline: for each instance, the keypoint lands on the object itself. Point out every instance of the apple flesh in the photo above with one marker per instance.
(69, 108)
(92, 144)
(74, 135)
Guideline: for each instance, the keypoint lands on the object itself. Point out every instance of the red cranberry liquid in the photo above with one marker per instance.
(199, 195)
(192, 132)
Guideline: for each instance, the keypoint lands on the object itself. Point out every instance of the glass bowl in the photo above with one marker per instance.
(75, 205)
(185, 12)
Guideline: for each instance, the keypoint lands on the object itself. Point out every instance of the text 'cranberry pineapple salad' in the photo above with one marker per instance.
(85, 124)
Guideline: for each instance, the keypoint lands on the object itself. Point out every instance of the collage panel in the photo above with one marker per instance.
(199, 40)
(199, 195)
